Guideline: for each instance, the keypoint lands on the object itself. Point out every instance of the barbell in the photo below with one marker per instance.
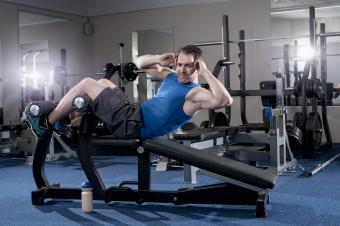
(268, 89)
(216, 43)
(126, 71)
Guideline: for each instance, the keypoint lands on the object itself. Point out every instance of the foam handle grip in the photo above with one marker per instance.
(82, 103)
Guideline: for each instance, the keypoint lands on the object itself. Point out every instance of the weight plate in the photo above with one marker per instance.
(313, 132)
(295, 136)
(130, 72)
(298, 120)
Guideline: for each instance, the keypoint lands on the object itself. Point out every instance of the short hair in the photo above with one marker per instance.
(191, 49)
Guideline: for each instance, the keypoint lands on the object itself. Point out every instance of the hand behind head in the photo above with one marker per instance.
(167, 59)
(200, 66)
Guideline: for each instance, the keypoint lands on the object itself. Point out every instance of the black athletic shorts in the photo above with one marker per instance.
(113, 107)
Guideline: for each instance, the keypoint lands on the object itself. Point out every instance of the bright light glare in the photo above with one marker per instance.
(35, 77)
(32, 75)
(305, 52)
(51, 77)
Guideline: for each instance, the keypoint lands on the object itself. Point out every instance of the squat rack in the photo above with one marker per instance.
(308, 150)
(222, 63)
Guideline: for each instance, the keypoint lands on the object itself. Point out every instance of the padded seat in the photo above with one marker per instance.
(108, 146)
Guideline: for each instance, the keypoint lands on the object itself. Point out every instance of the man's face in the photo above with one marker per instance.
(185, 67)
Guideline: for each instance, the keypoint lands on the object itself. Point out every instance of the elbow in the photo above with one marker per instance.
(230, 101)
(138, 63)
(224, 102)
(227, 101)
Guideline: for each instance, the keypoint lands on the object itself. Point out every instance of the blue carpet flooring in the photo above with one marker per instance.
(296, 200)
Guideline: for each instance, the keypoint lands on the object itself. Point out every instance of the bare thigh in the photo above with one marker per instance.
(93, 88)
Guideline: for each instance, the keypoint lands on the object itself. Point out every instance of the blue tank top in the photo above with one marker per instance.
(164, 113)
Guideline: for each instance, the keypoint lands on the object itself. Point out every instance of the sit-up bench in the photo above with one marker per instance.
(213, 163)
(243, 185)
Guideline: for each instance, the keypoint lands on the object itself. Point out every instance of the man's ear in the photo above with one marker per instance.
(197, 65)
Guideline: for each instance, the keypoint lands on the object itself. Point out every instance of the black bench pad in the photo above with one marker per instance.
(220, 165)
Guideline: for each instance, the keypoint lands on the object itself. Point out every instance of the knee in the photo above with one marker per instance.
(106, 83)
(86, 82)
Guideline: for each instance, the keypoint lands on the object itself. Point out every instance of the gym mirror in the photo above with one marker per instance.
(41, 39)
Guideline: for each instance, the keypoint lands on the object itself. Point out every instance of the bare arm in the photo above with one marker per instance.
(156, 65)
(216, 97)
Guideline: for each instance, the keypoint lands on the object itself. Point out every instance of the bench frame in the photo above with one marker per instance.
(222, 193)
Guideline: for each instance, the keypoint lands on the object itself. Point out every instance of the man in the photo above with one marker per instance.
(177, 100)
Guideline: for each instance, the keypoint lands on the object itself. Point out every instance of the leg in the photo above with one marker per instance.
(75, 117)
(87, 86)
(106, 83)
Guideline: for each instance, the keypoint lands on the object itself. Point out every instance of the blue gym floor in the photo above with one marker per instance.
(296, 200)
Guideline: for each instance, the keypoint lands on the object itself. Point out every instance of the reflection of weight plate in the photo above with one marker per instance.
(313, 132)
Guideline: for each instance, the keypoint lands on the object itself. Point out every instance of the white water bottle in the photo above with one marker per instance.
(86, 197)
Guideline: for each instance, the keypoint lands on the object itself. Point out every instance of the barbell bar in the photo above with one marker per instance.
(213, 43)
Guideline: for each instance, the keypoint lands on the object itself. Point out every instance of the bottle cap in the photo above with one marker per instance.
(268, 112)
(86, 185)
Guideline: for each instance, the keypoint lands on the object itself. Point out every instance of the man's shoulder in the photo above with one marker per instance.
(169, 72)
